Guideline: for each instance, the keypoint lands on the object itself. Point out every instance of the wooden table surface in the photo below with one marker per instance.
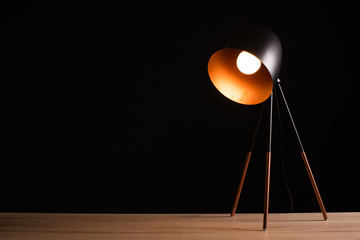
(177, 226)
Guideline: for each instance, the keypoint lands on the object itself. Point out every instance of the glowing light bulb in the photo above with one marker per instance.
(248, 63)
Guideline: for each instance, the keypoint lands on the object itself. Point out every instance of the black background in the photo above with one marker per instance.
(108, 107)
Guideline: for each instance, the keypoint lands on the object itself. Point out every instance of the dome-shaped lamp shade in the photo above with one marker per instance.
(244, 70)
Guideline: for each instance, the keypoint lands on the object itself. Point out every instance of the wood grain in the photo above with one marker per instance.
(242, 179)
(313, 183)
(177, 226)
(267, 190)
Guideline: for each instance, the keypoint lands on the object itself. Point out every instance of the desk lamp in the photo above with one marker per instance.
(246, 71)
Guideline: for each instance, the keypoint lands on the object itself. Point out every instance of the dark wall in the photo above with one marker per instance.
(109, 108)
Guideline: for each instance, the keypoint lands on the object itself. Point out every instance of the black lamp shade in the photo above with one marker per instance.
(244, 88)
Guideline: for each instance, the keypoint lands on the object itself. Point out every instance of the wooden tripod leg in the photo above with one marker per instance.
(303, 155)
(248, 155)
(267, 189)
(246, 164)
(313, 183)
(268, 164)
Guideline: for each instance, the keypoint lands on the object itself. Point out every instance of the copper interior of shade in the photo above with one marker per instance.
(235, 85)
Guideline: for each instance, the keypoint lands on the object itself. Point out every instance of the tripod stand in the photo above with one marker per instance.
(268, 162)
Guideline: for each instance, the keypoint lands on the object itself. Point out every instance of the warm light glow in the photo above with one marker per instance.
(242, 88)
(248, 63)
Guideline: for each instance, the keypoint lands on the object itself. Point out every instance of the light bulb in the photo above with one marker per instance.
(247, 63)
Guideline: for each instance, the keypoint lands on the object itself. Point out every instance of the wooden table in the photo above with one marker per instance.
(177, 226)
